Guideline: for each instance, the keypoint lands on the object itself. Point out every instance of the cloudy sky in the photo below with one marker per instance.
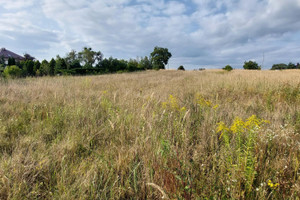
(199, 33)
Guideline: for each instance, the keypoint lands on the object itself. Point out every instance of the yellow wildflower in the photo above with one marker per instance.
(238, 125)
(216, 106)
(272, 185)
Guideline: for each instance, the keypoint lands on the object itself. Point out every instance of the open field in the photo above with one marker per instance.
(172, 134)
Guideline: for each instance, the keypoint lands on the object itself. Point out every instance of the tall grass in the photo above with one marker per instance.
(151, 135)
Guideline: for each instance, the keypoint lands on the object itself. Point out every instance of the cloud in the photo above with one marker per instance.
(197, 32)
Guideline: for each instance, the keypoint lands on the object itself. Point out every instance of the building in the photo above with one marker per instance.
(6, 54)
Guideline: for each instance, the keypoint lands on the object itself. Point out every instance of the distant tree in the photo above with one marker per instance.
(36, 67)
(89, 58)
(228, 68)
(72, 60)
(279, 66)
(160, 57)
(11, 61)
(52, 64)
(291, 66)
(60, 64)
(112, 65)
(2, 67)
(12, 72)
(122, 65)
(44, 69)
(29, 68)
(132, 65)
(251, 65)
(181, 68)
(145, 63)
(28, 57)
(2, 60)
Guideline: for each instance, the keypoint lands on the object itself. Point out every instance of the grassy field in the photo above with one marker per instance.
(152, 135)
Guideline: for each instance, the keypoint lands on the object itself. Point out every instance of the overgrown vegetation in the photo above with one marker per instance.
(154, 134)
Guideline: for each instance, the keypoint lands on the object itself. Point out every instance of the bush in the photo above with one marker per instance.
(250, 65)
(181, 68)
(12, 72)
(279, 66)
(228, 68)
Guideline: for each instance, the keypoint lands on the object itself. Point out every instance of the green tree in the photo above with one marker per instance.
(36, 68)
(228, 68)
(89, 58)
(60, 64)
(28, 57)
(160, 57)
(132, 65)
(279, 66)
(145, 63)
(251, 65)
(72, 60)
(44, 69)
(52, 64)
(2, 60)
(181, 68)
(11, 61)
(291, 66)
(12, 72)
(28, 67)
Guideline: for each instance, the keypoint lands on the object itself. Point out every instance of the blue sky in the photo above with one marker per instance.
(199, 33)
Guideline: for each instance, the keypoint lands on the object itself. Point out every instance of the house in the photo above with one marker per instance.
(6, 54)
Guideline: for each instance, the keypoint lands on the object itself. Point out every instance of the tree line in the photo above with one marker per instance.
(252, 65)
(85, 62)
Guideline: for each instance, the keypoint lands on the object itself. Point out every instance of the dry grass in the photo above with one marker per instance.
(123, 136)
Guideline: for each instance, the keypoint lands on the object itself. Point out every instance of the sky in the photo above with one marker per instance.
(198, 33)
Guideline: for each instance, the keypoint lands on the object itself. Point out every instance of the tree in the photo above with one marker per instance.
(52, 64)
(145, 63)
(2, 60)
(36, 67)
(89, 58)
(160, 57)
(44, 69)
(279, 66)
(28, 57)
(132, 65)
(60, 64)
(291, 66)
(11, 61)
(181, 68)
(72, 60)
(251, 65)
(228, 68)
(29, 68)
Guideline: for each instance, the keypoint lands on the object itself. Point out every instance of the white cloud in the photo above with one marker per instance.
(197, 32)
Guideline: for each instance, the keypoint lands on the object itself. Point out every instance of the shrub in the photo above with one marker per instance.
(181, 68)
(228, 68)
(12, 72)
(251, 65)
(279, 66)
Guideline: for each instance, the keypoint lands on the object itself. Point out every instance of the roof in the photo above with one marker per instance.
(8, 54)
